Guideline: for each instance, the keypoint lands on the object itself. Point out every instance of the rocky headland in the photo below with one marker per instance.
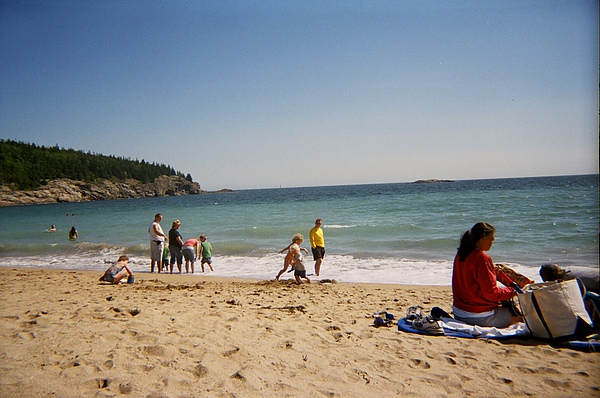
(66, 190)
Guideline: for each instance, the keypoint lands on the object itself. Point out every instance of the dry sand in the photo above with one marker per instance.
(66, 335)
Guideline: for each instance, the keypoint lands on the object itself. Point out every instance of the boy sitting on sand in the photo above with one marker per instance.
(117, 271)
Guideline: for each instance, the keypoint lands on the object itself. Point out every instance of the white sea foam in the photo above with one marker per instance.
(339, 226)
(341, 268)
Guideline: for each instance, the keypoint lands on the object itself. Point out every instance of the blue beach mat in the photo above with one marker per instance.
(592, 345)
(455, 328)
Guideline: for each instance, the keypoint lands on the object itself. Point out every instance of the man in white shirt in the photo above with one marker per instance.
(157, 243)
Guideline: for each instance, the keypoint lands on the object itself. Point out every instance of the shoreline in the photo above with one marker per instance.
(421, 273)
(208, 277)
(66, 334)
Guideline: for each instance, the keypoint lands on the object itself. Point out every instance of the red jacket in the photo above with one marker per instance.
(474, 285)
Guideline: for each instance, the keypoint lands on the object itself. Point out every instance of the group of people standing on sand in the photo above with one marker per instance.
(294, 257)
(193, 248)
(190, 250)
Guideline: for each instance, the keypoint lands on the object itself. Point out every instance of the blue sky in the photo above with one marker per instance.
(260, 94)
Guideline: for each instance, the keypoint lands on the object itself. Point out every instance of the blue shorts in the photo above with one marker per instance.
(176, 255)
(300, 273)
(206, 261)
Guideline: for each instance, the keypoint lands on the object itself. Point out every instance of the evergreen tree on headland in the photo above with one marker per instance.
(27, 166)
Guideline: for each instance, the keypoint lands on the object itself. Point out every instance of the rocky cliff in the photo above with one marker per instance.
(65, 190)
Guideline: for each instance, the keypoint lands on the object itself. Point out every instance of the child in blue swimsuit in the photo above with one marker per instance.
(117, 271)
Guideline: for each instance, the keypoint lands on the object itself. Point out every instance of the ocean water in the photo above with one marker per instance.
(402, 233)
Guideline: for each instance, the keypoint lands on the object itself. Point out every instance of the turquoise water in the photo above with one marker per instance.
(397, 233)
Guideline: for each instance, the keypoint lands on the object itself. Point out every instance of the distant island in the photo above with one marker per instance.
(430, 181)
(32, 174)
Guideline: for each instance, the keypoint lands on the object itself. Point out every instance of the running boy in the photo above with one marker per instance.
(298, 264)
(296, 239)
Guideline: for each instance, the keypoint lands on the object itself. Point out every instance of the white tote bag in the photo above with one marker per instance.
(555, 310)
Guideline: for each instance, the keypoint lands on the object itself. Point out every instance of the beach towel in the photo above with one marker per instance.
(455, 328)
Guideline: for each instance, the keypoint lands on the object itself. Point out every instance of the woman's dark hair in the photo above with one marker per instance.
(471, 237)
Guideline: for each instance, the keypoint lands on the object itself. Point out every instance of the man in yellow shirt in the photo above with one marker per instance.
(317, 242)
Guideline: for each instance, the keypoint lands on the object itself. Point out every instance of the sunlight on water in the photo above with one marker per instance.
(396, 233)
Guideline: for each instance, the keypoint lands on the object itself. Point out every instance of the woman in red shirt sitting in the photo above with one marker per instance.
(477, 296)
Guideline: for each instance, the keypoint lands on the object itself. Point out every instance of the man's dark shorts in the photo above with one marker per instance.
(318, 252)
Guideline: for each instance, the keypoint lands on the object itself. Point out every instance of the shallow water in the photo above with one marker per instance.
(383, 233)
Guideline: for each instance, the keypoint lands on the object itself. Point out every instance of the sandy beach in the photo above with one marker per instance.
(65, 334)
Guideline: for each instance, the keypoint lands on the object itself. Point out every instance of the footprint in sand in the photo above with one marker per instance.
(419, 363)
(155, 350)
(25, 335)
